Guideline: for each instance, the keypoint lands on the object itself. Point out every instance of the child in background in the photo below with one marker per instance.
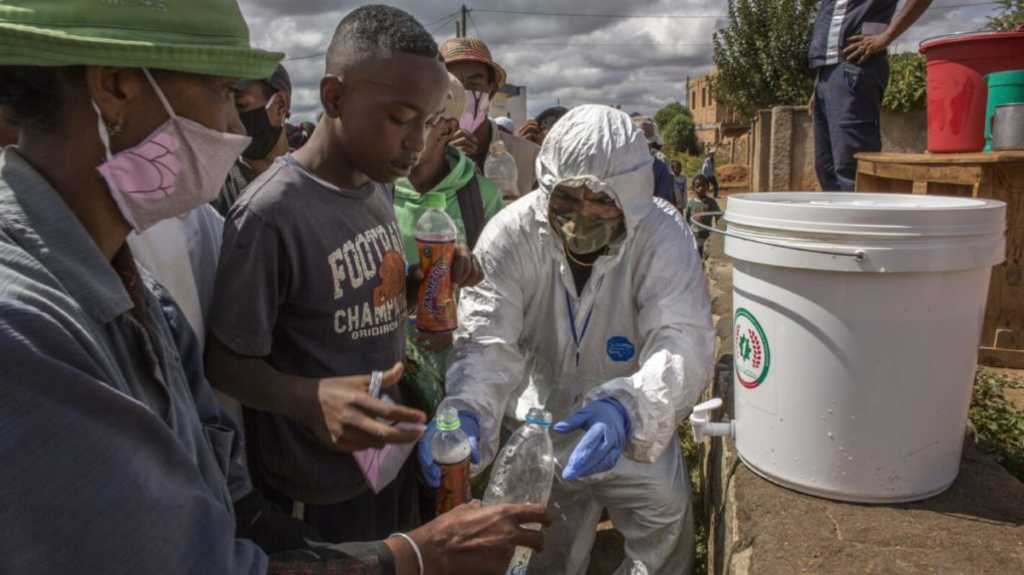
(701, 203)
(680, 179)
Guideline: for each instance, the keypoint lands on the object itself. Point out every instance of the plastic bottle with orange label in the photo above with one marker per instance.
(451, 451)
(436, 235)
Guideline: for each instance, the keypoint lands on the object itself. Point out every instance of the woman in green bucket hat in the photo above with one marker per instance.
(116, 457)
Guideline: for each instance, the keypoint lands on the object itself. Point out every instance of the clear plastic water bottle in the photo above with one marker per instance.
(500, 168)
(450, 449)
(435, 237)
(523, 473)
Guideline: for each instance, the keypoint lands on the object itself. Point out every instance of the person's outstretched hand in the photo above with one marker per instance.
(351, 416)
(431, 471)
(607, 425)
(479, 540)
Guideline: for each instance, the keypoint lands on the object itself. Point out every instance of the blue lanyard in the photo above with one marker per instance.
(577, 337)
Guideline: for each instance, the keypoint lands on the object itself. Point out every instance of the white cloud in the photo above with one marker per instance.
(638, 63)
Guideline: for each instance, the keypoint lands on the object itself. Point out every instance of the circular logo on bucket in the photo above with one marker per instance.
(752, 355)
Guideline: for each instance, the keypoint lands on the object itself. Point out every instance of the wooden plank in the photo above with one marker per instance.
(972, 158)
(874, 184)
(1004, 312)
(947, 189)
(995, 357)
(962, 175)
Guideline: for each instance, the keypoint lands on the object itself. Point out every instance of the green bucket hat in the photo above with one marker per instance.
(197, 36)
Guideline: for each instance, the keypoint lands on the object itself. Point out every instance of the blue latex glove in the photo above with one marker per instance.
(431, 471)
(607, 425)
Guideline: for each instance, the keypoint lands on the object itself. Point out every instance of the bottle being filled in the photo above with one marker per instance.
(436, 235)
(450, 449)
(522, 473)
(500, 168)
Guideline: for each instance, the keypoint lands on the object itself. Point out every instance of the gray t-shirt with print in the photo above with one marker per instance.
(311, 277)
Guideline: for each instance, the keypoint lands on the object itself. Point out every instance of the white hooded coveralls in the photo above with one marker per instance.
(642, 335)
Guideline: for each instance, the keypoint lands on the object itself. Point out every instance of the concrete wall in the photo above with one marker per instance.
(707, 136)
(782, 154)
(510, 101)
(760, 141)
(736, 150)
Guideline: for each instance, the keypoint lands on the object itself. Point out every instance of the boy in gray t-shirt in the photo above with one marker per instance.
(312, 277)
(311, 288)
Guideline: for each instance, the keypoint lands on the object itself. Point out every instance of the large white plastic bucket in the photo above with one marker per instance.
(856, 339)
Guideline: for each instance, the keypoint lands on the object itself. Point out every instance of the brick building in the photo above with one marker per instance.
(715, 123)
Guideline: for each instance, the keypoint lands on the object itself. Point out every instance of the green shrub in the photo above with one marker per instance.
(999, 427)
(906, 91)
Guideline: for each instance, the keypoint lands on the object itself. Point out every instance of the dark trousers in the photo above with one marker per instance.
(713, 182)
(847, 110)
(368, 517)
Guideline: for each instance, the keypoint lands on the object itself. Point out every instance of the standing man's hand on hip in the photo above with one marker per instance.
(861, 48)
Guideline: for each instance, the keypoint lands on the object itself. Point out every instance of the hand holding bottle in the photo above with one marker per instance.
(469, 424)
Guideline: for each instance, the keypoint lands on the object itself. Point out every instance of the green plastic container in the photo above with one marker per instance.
(1003, 88)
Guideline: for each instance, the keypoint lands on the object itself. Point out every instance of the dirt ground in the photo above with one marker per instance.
(1014, 396)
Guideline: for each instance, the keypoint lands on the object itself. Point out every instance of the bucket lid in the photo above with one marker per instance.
(965, 37)
(866, 232)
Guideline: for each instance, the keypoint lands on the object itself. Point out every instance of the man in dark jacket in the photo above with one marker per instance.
(848, 58)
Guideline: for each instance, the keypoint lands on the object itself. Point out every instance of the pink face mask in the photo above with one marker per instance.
(180, 166)
(475, 114)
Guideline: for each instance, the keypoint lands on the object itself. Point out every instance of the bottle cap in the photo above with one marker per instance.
(448, 419)
(538, 416)
(435, 200)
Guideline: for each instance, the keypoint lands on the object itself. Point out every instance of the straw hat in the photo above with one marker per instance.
(472, 50)
(196, 36)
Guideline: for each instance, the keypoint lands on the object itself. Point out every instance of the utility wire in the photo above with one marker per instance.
(588, 44)
(955, 6)
(473, 22)
(442, 19)
(670, 16)
(442, 24)
(582, 15)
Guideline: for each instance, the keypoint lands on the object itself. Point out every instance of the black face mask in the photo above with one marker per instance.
(264, 135)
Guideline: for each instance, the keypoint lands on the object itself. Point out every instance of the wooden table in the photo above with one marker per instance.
(995, 175)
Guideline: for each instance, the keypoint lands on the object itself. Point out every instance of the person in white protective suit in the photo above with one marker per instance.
(594, 306)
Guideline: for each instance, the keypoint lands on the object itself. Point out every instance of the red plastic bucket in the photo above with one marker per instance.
(957, 92)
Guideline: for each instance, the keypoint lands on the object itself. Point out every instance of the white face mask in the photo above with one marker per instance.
(475, 114)
(180, 166)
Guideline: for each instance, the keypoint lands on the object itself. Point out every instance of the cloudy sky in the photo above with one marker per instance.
(636, 53)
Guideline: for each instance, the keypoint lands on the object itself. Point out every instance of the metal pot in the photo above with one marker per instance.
(1008, 127)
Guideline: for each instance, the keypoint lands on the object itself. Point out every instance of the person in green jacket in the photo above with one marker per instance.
(472, 201)
(443, 168)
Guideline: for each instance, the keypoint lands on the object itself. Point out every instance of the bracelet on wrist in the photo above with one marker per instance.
(415, 549)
